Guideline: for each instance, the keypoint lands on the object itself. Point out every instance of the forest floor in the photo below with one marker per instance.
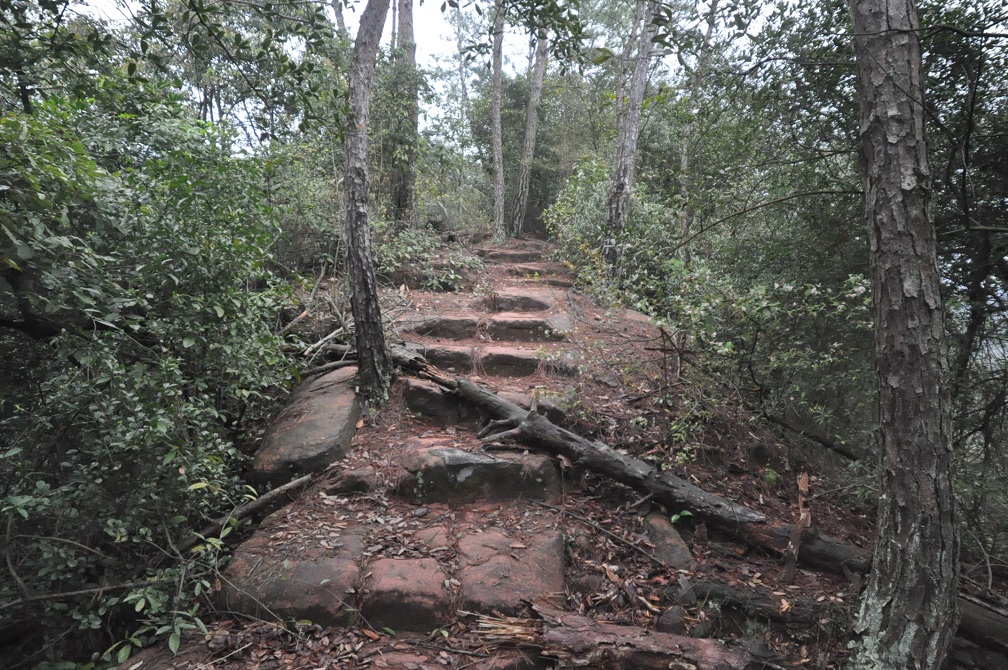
(439, 574)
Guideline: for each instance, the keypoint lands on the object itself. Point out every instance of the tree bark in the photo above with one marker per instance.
(531, 128)
(908, 614)
(627, 134)
(495, 120)
(686, 182)
(375, 371)
(580, 641)
(404, 184)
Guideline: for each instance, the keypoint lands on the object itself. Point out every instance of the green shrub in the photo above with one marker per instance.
(801, 354)
(133, 240)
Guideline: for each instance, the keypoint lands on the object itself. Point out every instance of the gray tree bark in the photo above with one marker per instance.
(627, 134)
(404, 180)
(686, 181)
(908, 615)
(375, 369)
(536, 80)
(495, 120)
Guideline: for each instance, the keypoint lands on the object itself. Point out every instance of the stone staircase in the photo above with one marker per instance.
(416, 524)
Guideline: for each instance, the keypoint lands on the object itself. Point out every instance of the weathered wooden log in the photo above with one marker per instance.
(579, 641)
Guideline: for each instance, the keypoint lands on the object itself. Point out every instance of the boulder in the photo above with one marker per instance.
(445, 474)
(670, 548)
(313, 432)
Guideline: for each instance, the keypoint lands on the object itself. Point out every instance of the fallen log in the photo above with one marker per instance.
(509, 421)
(579, 641)
(262, 505)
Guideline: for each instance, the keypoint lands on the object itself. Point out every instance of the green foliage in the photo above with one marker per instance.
(797, 353)
(138, 351)
(409, 256)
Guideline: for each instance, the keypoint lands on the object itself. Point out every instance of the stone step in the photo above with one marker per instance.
(426, 399)
(446, 326)
(499, 574)
(513, 362)
(521, 327)
(450, 358)
(444, 474)
(541, 269)
(513, 255)
(521, 299)
(333, 577)
(313, 582)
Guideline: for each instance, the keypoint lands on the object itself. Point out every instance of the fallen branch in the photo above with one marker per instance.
(266, 502)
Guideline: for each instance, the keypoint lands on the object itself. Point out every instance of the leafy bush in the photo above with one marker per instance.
(138, 354)
(801, 354)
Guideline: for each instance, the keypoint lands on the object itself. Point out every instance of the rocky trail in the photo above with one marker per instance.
(410, 541)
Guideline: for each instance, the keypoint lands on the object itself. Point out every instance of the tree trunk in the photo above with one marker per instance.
(375, 371)
(404, 181)
(341, 29)
(627, 133)
(908, 615)
(495, 120)
(531, 127)
(686, 182)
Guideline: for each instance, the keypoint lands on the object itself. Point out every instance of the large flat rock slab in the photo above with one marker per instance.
(313, 432)
(317, 584)
(520, 327)
(449, 475)
(499, 572)
(406, 594)
(514, 362)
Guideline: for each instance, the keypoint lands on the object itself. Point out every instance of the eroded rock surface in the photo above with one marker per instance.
(314, 430)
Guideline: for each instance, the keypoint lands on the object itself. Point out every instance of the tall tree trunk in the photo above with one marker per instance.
(686, 181)
(908, 615)
(495, 120)
(404, 181)
(627, 133)
(341, 29)
(538, 75)
(375, 369)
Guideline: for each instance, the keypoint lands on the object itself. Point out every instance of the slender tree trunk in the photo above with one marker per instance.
(538, 75)
(686, 181)
(341, 29)
(908, 615)
(375, 370)
(627, 133)
(404, 181)
(495, 120)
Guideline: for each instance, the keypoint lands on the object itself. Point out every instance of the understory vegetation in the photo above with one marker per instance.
(167, 202)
